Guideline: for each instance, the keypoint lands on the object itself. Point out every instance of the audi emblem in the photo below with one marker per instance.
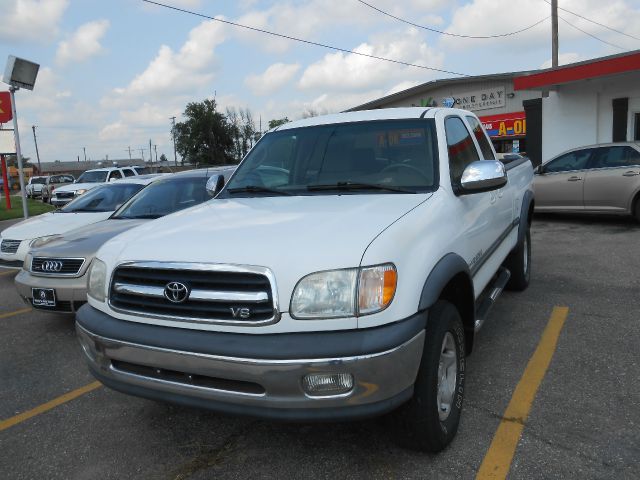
(176, 292)
(51, 266)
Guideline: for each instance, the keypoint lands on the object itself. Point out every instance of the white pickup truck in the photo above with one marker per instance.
(342, 272)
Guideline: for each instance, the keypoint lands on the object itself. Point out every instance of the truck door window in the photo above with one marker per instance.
(115, 174)
(481, 137)
(128, 172)
(462, 150)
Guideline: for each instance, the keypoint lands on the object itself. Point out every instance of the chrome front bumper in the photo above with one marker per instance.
(262, 387)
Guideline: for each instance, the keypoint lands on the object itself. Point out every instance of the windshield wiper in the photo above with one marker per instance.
(358, 186)
(91, 210)
(256, 188)
(139, 217)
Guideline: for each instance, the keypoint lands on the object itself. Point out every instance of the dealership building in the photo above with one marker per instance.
(542, 113)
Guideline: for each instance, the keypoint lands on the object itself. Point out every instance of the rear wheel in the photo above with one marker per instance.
(429, 421)
(519, 264)
(636, 209)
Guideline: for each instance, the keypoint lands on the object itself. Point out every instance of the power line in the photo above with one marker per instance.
(441, 32)
(593, 21)
(302, 40)
(591, 35)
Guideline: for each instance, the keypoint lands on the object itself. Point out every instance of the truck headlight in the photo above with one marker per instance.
(376, 288)
(344, 293)
(80, 191)
(96, 285)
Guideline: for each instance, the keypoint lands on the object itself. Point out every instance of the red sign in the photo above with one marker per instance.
(505, 125)
(5, 107)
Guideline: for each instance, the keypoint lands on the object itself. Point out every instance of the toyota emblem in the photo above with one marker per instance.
(51, 266)
(176, 292)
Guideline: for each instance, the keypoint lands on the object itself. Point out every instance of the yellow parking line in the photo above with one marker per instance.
(45, 407)
(497, 461)
(14, 271)
(17, 312)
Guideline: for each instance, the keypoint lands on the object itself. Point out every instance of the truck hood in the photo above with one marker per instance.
(72, 187)
(52, 223)
(293, 236)
(85, 241)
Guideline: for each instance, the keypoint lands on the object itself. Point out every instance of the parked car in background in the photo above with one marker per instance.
(96, 205)
(88, 180)
(53, 182)
(603, 178)
(53, 277)
(33, 188)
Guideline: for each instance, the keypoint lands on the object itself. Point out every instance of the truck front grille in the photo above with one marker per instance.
(194, 293)
(10, 246)
(56, 266)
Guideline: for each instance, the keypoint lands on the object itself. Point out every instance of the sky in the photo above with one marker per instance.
(113, 72)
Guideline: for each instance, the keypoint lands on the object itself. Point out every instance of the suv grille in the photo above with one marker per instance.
(10, 246)
(243, 296)
(65, 195)
(56, 266)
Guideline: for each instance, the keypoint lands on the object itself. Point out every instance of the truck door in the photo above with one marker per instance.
(476, 210)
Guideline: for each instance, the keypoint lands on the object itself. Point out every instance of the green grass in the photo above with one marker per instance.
(36, 207)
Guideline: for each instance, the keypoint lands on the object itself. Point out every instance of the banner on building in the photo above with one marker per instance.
(505, 125)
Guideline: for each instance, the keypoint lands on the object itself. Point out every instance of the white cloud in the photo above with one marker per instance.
(348, 71)
(273, 78)
(31, 20)
(564, 59)
(83, 44)
(182, 71)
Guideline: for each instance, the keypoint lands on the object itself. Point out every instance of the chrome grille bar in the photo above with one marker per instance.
(202, 295)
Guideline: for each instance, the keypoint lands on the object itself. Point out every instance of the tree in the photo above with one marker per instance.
(277, 122)
(163, 157)
(243, 130)
(205, 137)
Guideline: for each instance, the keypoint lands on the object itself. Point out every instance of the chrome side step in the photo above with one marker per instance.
(494, 290)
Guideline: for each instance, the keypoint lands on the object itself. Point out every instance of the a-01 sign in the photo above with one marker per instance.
(5, 107)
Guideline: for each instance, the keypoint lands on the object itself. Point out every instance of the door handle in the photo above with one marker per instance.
(630, 173)
(574, 179)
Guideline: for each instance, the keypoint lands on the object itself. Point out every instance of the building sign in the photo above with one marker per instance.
(5, 107)
(505, 125)
(478, 100)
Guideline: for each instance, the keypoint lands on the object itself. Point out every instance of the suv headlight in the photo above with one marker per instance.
(40, 241)
(344, 293)
(97, 282)
(80, 191)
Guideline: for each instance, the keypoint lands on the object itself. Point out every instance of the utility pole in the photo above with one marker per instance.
(173, 134)
(129, 148)
(155, 147)
(35, 140)
(554, 33)
(150, 152)
(84, 149)
(142, 153)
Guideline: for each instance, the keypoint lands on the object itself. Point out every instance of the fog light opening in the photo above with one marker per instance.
(327, 384)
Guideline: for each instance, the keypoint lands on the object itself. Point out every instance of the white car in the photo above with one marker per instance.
(341, 273)
(97, 205)
(88, 180)
(34, 187)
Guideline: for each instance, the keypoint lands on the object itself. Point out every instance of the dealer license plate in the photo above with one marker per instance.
(44, 297)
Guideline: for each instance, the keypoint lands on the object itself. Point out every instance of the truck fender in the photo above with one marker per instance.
(525, 211)
(447, 267)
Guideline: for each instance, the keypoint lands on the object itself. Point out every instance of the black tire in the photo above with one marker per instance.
(519, 264)
(418, 424)
(636, 209)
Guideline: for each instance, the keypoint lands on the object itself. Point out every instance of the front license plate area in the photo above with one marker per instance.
(44, 297)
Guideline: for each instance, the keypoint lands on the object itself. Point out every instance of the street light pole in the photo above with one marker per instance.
(35, 140)
(25, 210)
(173, 134)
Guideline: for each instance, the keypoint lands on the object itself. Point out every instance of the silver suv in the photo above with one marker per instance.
(602, 178)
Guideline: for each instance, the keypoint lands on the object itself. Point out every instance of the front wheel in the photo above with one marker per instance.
(636, 210)
(519, 264)
(429, 421)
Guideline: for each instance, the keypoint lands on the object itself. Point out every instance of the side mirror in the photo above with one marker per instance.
(538, 170)
(483, 176)
(214, 185)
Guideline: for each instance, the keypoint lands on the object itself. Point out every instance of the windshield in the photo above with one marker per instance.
(103, 199)
(393, 156)
(93, 177)
(164, 197)
(38, 180)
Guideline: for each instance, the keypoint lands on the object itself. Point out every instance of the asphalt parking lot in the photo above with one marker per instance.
(583, 422)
